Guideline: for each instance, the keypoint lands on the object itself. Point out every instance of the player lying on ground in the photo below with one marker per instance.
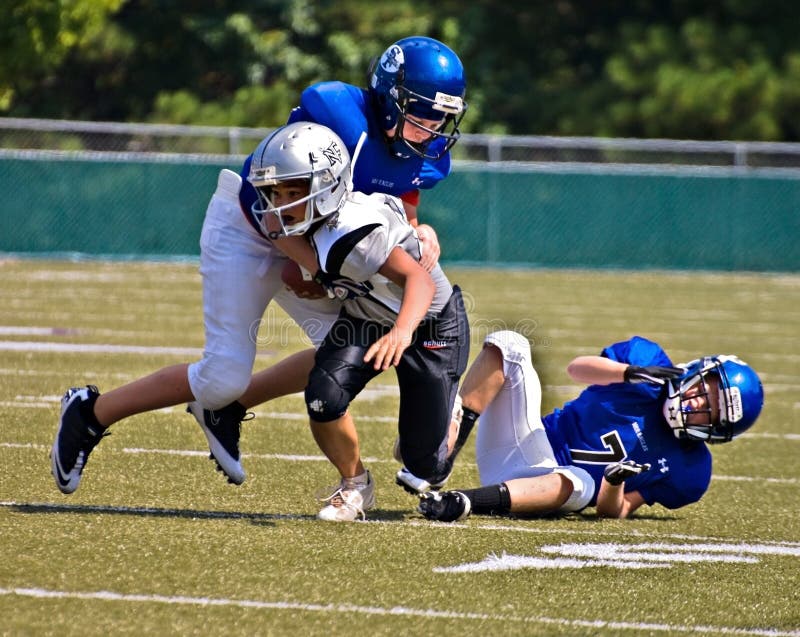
(636, 435)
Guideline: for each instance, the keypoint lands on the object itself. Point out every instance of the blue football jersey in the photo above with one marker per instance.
(609, 423)
(345, 109)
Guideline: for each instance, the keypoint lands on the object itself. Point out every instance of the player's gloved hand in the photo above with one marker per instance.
(342, 288)
(653, 374)
(617, 472)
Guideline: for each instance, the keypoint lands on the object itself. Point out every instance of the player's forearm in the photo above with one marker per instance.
(298, 250)
(418, 294)
(596, 370)
(610, 500)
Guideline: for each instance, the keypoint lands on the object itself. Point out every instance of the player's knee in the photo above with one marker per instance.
(578, 488)
(513, 345)
(326, 399)
(216, 381)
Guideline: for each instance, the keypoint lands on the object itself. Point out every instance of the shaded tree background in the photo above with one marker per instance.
(633, 68)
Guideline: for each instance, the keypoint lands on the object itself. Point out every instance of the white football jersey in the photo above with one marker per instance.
(355, 244)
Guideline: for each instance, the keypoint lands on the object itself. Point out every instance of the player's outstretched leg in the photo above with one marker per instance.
(75, 438)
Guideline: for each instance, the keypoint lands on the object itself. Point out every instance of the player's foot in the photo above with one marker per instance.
(74, 440)
(415, 485)
(222, 428)
(444, 506)
(348, 501)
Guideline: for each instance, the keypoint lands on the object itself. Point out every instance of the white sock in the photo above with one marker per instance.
(357, 481)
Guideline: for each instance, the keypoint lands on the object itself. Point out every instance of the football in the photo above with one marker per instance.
(303, 286)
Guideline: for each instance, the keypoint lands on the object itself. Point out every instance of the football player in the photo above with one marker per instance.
(410, 114)
(394, 312)
(638, 434)
(406, 121)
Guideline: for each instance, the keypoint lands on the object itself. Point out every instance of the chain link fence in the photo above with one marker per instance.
(114, 189)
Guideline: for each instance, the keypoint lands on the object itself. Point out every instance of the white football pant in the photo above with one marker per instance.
(511, 441)
(241, 274)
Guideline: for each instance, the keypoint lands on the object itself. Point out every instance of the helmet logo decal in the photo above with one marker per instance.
(332, 153)
(448, 103)
(392, 59)
(734, 404)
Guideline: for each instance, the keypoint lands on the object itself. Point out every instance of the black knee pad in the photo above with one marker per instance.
(326, 399)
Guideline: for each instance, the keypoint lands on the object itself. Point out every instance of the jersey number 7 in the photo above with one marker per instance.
(611, 441)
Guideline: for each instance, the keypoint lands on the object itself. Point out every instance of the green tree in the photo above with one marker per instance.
(640, 68)
(38, 35)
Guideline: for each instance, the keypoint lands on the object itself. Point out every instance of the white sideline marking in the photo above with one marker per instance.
(502, 528)
(73, 348)
(110, 596)
(317, 458)
(548, 530)
(20, 330)
(624, 556)
(264, 456)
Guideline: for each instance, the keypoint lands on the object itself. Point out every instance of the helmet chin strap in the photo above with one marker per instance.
(356, 153)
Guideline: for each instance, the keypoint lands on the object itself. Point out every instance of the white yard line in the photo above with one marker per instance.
(92, 348)
(317, 458)
(402, 611)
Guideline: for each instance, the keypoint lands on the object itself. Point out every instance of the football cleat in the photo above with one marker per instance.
(348, 501)
(415, 485)
(222, 428)
(74, 440)
(444, 506)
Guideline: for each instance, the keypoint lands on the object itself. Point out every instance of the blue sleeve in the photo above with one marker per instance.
(339, 106)
(637, 351)
(678, 479)
(247, 194)
(435, 171)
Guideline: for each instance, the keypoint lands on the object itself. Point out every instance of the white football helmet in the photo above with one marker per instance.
(302, 150)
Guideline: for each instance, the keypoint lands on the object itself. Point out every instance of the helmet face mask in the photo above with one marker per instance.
(419, 78)
(300, 152)
(739, 393)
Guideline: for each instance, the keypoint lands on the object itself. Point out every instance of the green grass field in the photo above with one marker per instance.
(156, 542)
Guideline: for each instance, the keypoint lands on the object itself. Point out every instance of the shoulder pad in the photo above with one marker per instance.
(339, 106)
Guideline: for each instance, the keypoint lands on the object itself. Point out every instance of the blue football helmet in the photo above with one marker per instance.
(741, 397)
(423, 78)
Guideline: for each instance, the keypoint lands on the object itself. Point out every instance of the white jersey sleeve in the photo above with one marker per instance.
(356, 243)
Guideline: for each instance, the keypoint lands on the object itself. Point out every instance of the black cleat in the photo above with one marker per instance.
(222, 428)
(75, 439)
(444, 506)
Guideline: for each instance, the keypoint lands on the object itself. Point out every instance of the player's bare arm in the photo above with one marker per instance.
(431, 250)
(418, 291)
(299, 250)
(613, 502)
(596, 370)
